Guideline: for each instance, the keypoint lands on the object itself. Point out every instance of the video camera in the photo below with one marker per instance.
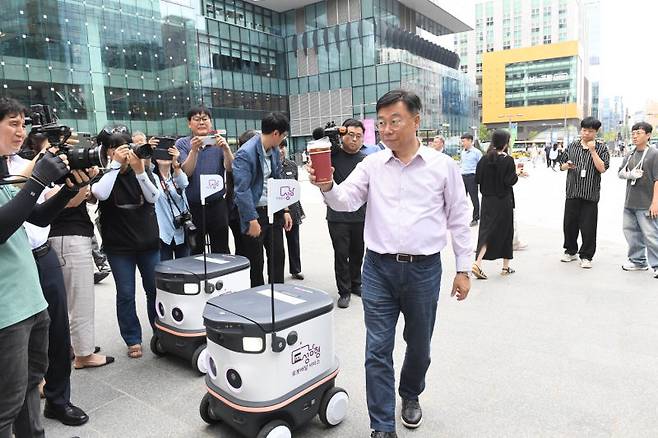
(332, 131)
(44, 123)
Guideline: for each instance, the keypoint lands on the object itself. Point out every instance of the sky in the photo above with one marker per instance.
(629, 47)
(629, 50)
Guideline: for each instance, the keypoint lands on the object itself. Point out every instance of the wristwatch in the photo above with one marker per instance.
(466, 273)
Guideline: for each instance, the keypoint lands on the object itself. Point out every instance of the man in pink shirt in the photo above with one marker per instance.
(414, 196)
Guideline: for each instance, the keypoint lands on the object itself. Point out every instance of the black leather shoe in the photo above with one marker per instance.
(412, 415)
(68, 414)
(344, 301)
(298, 276)
(378, 434)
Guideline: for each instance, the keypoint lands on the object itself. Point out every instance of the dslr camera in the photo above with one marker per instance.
(332, 131)
(184, 220)
(44, 122)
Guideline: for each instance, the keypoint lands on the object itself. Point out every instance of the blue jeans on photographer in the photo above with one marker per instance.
(123, 270)
(391, 287)
(641, 232)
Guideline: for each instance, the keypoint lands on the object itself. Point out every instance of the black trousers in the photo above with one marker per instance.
(216, 226)
(253, 248)
(580, 216)
(294, 256)
(472, 190)
(58, 377)
(347, 240)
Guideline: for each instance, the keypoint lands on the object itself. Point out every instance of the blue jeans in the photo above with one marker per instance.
(123, 270)
(391, 287)
(167, 252)
(641, 233)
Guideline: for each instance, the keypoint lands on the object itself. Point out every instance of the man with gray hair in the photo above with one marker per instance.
(439, 143)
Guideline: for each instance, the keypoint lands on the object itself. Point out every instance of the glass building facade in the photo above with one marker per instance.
(143, 63)
(541, 82)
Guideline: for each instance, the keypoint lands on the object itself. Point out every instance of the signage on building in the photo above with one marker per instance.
(546, 78)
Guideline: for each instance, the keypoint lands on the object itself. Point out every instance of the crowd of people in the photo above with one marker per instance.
(150, 210)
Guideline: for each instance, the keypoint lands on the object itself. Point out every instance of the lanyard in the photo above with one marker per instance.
(170, 200)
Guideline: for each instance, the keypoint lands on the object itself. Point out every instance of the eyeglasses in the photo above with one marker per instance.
(354, 135)
(200, 119)
(395, 124)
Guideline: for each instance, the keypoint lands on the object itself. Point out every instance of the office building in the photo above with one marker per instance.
(145, 62)
(540, 88)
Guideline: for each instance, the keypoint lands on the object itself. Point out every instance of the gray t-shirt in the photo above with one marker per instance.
(640, 194)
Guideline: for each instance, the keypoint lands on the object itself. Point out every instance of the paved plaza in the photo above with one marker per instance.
(551, 351)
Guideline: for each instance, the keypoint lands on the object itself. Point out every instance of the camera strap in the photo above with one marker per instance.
(639, 163)
(171, 201)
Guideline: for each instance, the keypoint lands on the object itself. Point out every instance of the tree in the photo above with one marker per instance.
(610, 136)
(484, 134)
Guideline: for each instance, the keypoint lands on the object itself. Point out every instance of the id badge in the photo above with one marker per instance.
(583, 173)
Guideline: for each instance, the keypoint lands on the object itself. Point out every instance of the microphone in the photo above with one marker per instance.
(318, 133)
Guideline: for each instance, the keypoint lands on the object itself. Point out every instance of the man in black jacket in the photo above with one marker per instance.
(346, 229)
(290, 171)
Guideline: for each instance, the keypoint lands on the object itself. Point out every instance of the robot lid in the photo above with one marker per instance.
(292, 304)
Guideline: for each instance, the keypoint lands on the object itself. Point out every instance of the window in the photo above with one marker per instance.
(464, 68)
(490, 21)
(547, 39)
(506, 45)
(478, 67)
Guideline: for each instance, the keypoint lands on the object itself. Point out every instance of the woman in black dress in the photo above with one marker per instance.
(496, 174)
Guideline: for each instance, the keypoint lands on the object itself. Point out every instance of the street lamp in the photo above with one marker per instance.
(475, 132)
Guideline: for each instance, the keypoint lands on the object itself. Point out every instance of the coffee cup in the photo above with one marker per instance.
(319, 152)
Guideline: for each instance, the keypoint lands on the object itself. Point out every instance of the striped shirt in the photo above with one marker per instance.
(585, 185)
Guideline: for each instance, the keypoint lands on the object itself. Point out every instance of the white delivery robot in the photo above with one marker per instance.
(267, 376)
(183, 286)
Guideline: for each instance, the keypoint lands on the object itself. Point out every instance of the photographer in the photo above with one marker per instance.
(129, 229)
(203, 153)
(171, 207)
(346, 228)
(57, 389)
(23, 317)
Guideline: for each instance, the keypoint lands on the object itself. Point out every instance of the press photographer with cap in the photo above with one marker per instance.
(127, 194)
(415, 198)
(24, 320)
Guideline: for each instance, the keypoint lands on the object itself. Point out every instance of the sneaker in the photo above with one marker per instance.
(655, 273)
(630, 266)
(344, 301)
(298, 276)
(473, 224)
(569, 257)
(100, 276)
(411, 414)
(585, 263)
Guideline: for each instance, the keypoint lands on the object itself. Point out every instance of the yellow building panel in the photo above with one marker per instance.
(493, 85)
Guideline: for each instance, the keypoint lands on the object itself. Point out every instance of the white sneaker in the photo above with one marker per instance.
(569, 257)
(630, 266)
(585, 264)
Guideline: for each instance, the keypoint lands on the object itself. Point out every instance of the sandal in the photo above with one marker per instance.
(92, 361)
(478, 272)
(135, 351)
(507, 271)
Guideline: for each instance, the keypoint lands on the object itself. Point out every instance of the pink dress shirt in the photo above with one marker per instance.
(410, 207)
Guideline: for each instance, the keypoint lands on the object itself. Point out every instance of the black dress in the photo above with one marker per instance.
(496, 176)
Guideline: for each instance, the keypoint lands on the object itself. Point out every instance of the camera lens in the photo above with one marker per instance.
(161, 310)
(177, 314)
(234, 379)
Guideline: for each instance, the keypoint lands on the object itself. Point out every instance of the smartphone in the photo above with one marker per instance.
(211, 138)
(161, 150)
